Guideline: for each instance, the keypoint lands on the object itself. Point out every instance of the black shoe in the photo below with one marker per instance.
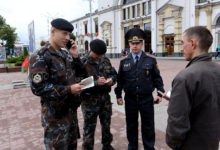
(109, 147)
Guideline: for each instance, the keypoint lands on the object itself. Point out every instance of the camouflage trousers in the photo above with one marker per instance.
(92, 107)
(59, 133)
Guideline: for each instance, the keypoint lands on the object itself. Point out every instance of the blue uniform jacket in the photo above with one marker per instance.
(140, 80)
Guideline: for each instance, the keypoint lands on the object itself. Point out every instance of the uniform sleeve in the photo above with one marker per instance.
(79, 68)
(118, 89)
(178, 114)
(113, 74)
(157, 79)
(39, 80)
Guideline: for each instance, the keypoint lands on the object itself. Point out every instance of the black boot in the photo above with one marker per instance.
(109, 147)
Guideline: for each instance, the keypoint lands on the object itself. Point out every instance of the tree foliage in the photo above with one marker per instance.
(7, 34)
(25, 52)
(72, 36)
(42, 43)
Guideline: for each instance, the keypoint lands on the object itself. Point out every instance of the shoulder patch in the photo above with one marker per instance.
(152, 56)
(124, 57)
(37, 78)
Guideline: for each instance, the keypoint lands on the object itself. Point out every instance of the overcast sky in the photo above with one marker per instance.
(20, 13)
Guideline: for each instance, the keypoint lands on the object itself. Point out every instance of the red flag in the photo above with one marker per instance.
(25, 65)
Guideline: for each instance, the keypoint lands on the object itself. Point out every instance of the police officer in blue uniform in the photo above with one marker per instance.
(138, 76)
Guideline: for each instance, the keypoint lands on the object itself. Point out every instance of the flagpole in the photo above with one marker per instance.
(90, 6)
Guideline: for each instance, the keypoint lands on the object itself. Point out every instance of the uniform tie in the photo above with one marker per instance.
(136, 59)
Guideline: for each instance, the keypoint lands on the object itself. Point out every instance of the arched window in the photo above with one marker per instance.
(128, 1)
(218, 21)
(202, 1)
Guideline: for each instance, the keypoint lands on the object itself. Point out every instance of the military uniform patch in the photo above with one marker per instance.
(147, 72)
(157, 66)
(37, 78)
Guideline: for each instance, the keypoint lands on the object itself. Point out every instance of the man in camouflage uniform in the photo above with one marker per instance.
(53, 78)
(96, 100)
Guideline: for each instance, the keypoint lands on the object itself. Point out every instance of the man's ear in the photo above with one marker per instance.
(52, 31)
(194, 43)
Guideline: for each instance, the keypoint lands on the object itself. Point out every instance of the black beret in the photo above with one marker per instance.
(62, 24)
(98, 46)
(135, 35)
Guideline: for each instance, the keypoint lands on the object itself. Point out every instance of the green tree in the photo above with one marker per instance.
(25, 52)
(72, 36)
(8, 34)
(42, 43)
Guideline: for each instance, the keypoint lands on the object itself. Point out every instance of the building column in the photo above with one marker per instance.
(197, 17)
(209, 18)
(209, 21)
(178, 34)
(160, 38)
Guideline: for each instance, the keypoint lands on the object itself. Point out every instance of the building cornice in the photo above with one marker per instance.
(118, 7)
(136, 19)
(206, 4)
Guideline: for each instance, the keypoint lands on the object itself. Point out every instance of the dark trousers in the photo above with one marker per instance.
(216, 55)
(92, 108)
(144, 105)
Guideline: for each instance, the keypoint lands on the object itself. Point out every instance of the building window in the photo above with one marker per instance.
(202, 1)
(96, 27)
(76, 26)
(144, 8)
(128, 12)
(218, 21)
(107, 42)
(86, 29)
(138, 10)
(124, 14)
(147, 26)
(134, 12)
(128, 1)
(149, 7)
(126, 30)
(137, 26)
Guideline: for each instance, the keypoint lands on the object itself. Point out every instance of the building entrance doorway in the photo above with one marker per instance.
(86, 47)
(147, 41)
(169, 44)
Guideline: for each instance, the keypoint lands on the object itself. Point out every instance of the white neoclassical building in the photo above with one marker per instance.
(163, 21)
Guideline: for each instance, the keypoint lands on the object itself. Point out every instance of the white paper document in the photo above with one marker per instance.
(108, 80)
(87, 82)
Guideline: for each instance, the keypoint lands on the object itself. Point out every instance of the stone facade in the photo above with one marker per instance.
(163, 21)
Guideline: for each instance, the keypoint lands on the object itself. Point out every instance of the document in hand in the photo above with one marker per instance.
(87, 82)
(108, 80)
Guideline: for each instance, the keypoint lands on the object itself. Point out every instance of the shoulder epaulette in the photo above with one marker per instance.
(41, 51)
(152, 56)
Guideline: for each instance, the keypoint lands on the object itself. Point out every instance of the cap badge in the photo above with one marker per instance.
(135, 38)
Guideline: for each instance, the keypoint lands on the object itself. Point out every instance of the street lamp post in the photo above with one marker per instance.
(90, 6)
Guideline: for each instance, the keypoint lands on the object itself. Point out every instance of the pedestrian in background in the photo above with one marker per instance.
(138, 76)
(217, 51)
(52, 77)
(96, 100)
(194, 107)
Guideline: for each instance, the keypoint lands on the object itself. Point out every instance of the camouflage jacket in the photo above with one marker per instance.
(102, 68)
(51, 74)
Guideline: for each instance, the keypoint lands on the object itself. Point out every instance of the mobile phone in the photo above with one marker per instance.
(68, 44)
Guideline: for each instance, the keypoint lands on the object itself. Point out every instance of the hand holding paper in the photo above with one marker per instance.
(166, 95)
(87, 82)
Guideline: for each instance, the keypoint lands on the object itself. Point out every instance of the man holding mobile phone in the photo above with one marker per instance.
(53, 77)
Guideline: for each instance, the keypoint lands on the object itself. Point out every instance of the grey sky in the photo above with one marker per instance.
(20, 13)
